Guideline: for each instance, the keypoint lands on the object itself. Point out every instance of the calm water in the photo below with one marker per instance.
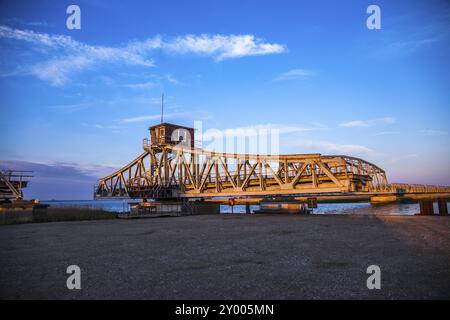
(323, 208)
(107, 205)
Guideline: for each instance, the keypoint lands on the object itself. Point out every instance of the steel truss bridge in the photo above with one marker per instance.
(167, 171)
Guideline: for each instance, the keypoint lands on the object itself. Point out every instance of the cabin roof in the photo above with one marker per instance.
(169, 125)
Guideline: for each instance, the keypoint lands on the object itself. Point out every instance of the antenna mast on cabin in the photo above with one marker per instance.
(162, 108)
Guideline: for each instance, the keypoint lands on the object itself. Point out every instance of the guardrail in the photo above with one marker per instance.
(401, 188)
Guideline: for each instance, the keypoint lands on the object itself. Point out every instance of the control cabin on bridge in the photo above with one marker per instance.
(171, 134)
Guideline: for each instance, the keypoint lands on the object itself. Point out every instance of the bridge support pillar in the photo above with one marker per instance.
(384, 199)
(442, 204)
(283, 206)
(171, 208)
(426, 207)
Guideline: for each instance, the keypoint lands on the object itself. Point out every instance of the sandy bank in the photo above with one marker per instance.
(229, 256)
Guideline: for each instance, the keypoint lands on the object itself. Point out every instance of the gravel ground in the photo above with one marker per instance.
(229, 257)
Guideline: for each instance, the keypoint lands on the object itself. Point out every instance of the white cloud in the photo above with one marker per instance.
(354, 124)
(69, 55)
(431, 132)
(143, 85)
(171, 79)
(141, 118)
(367, 123)
(295, 74)
(222, 47)
(38, 38)
(329, 147)
(57, 71)
(72, 56)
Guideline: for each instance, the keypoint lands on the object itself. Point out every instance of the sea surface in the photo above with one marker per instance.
(323, 208)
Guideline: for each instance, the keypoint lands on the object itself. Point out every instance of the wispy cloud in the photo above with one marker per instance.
(335, 148)
(252, 139)
(143, 85)
(172, 80)
(72, 107)
(431, 132)
(27, 23)
(295, 74)
(413, 44)
(150, 117)
(367, 123)
(420, 37)
(405, 35)
(385, 133)
(157, 81)
(145, 100)
(221, 47)
(101, 126)
(70, 56)
(396, 159)
(94, 102)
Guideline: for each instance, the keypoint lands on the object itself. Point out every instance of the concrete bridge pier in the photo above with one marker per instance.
(283, 206)
(384, 199)
(426, 207)
(442, 205)
(170, 208)
(425, 204)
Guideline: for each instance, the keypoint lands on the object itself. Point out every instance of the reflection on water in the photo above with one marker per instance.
(237, 208)
(323, 208)
(349, 208)
(367, 208)
(107, 205)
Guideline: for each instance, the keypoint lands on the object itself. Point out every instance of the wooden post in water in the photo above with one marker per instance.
(426, 207)
(442, 204)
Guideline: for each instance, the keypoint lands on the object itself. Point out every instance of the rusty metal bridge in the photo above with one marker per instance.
(169, 169)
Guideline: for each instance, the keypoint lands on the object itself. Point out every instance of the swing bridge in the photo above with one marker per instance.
(174, 169)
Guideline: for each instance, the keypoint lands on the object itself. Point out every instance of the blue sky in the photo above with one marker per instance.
(80, 101)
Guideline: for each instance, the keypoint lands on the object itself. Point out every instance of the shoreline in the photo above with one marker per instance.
(67, 214)
(229, 257)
